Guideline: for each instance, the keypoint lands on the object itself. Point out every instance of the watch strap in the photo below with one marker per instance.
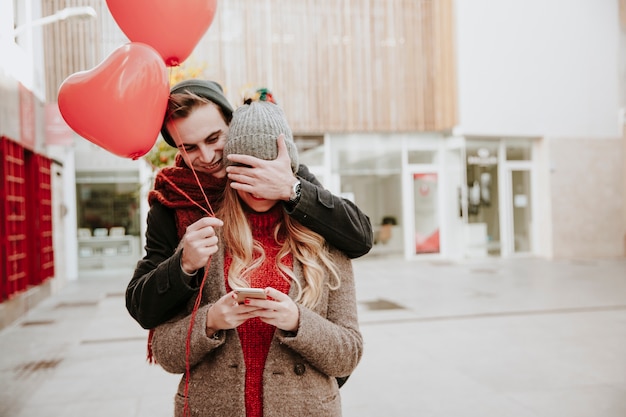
(296, 192)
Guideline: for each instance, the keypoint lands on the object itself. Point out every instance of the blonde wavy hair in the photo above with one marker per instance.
(306, 246)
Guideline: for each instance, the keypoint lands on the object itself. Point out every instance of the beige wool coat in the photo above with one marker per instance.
(299, 376)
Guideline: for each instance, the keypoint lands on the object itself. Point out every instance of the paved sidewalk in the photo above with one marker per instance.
(476, 338)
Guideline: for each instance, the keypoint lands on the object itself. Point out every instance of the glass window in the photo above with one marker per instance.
(422, 157)
(520, 182)
(19, 18)
(380, 197)
(369, 168)
(482, 154)
(310, 150)
(362, 153)
(483, 230)
(519, 152)
(105, 206)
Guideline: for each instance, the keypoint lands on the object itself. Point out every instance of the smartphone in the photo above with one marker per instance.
(243, 293)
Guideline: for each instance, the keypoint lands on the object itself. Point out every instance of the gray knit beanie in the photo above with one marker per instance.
(254, 130)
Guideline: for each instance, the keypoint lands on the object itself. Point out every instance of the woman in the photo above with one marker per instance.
(272, 357)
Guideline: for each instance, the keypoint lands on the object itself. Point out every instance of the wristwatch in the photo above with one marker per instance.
(296, 192)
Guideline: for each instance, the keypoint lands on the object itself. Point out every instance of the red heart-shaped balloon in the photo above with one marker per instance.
(172, 27)
(120, 104)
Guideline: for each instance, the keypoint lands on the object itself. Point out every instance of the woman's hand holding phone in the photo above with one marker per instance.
(279, 310)
(270, 305)
(228, 313)
(244, 293)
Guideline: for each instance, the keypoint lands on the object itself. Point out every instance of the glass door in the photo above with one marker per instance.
(517, 198)
(426, 212)
(521, 204)
(483, 234)
(496, 199)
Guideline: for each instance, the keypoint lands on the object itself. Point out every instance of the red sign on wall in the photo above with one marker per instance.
(27, 117)
(57, 131)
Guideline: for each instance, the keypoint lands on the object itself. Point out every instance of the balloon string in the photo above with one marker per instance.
(195, 175)
(184, 194)
(206, 200)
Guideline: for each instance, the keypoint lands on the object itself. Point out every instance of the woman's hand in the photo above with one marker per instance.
(199, 243)
(279, 310)
(227, 313)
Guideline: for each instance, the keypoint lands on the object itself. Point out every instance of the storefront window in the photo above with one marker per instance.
(520, 181)
(483, 230)
(310, 150)
(108, 208)
(367, 153)
(518, 151)
(370, 169)
(422, 157)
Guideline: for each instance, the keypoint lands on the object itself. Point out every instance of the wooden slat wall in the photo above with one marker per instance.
(74, 45)
(340, 65)
(335, 65)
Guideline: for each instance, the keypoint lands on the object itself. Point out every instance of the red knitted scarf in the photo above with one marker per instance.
(177, 188)
(256, 336)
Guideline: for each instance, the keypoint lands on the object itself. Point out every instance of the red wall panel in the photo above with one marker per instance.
(13, 237)
(26, 250)
(39, 211)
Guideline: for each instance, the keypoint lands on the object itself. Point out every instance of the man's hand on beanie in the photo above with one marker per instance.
(272, 180)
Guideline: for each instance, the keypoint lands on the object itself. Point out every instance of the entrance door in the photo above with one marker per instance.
(426, 213)
(517, 192)
(520, 224)
(483, 235)
(497, 197)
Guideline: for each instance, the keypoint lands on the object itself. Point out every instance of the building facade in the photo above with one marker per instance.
(479, 129)
(463, 129)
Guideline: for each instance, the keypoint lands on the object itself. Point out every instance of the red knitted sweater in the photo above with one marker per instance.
(255, 335)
